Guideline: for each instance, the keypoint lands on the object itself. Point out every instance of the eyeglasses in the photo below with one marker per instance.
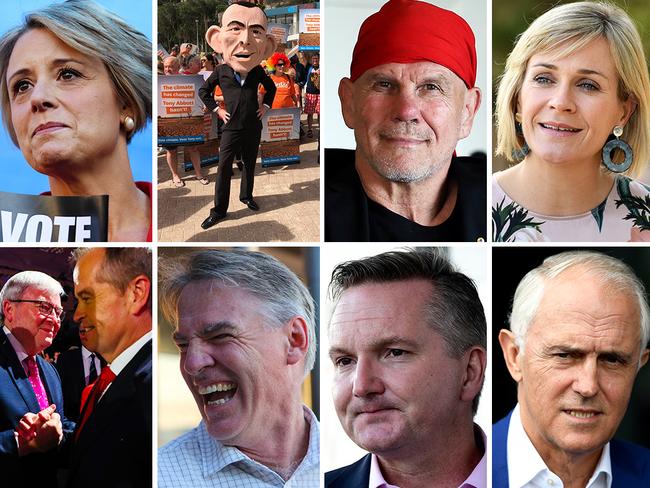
(46, 308)
(281, 65)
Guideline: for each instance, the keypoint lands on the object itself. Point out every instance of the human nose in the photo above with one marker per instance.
(562, 98)
(42, 97)
(406, 106)
(78, 313)
(366, 379)
(245, 36)
(586, 381)
(197, 357)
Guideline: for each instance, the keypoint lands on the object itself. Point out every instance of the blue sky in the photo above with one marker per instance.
(19, 177)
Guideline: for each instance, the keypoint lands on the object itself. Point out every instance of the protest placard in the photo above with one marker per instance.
(180, 110)
(281, 136)
(309, 29)
(39, 218)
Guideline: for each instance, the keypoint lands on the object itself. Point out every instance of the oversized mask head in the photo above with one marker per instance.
(242, 38)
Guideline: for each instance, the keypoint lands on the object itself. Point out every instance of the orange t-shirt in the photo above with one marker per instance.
(285, 88)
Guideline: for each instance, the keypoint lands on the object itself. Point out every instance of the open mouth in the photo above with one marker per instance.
(582, 414)
(243, 55)
(218, 393)
(559, 128)
(86, 329)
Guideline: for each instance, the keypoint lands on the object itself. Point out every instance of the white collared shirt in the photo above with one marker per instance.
(526, 468)
(85, 359)
(120, 362)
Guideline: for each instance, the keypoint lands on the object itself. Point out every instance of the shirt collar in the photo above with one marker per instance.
(476, 479)
(525, 465)
(215, 456)
(129, 353)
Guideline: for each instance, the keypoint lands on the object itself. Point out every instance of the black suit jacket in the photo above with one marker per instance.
(17, 398)
(70, 366)
(241, 101)
(355, 475)
(114, 447)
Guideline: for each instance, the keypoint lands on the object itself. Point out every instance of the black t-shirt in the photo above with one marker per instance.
(353, 217)
(387, 226)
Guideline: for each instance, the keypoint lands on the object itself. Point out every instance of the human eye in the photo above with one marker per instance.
(20, 86)
(45, 308)
(431, 87)
(589, 85)
(396, 353)
(382, 85)
(341, 362)
(542, 79)
(68, 74)
(613, 360)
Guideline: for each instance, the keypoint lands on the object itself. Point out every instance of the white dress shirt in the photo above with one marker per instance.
(526, 468)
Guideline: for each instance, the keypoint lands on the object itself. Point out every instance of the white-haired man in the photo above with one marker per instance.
(578, 335)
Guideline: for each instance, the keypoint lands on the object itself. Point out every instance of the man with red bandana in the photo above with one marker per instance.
(243, 42)
(410, 98)
(32, 423)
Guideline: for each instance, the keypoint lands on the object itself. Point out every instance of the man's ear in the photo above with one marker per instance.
(271, 44)
(511, 353)
(474, 373)
(139, 290)
(298, 340)
(8, 310)
(212, 38)
(346, 96)
(470, 107)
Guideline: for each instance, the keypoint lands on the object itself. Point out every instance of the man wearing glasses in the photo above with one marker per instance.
(32, 423)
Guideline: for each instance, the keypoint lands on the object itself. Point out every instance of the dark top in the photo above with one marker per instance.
(241, 101)
(355, 475)
(351, 216)
(310, 87)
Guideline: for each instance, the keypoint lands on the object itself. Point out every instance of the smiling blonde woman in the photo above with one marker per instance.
(572, 106)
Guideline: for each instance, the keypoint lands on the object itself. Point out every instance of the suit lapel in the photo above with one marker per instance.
(17, 373)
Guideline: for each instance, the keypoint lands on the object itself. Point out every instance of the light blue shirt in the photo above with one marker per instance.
(197, 460)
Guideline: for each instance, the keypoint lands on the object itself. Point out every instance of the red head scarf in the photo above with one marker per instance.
(409, 31)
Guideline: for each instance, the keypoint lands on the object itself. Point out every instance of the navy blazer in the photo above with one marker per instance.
(630, 463)
(114, 446)
(17, 398)
(355, 475)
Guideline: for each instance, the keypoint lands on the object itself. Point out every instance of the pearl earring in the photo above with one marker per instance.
(129, 123)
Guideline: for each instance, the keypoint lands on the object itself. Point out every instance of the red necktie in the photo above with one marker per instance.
(37, 384)
(97, 388)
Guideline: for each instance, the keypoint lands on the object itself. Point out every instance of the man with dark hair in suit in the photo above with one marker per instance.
(408, 346)
(578, 336)
(78, 367)
(243, 42)
(32, 423)
(112, 441)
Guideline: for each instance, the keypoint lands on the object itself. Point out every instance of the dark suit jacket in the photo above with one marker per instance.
(346, 204)
(355, 475)
(17, 398)
(241, 101)
(630, 463)
(70, 366)
(114, 447)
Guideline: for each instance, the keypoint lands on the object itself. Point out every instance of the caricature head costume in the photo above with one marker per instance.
(418, 31)
(242, 39)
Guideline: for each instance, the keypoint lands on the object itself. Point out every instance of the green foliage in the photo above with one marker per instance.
(509, 19)
(509, 219)
(180, 22)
